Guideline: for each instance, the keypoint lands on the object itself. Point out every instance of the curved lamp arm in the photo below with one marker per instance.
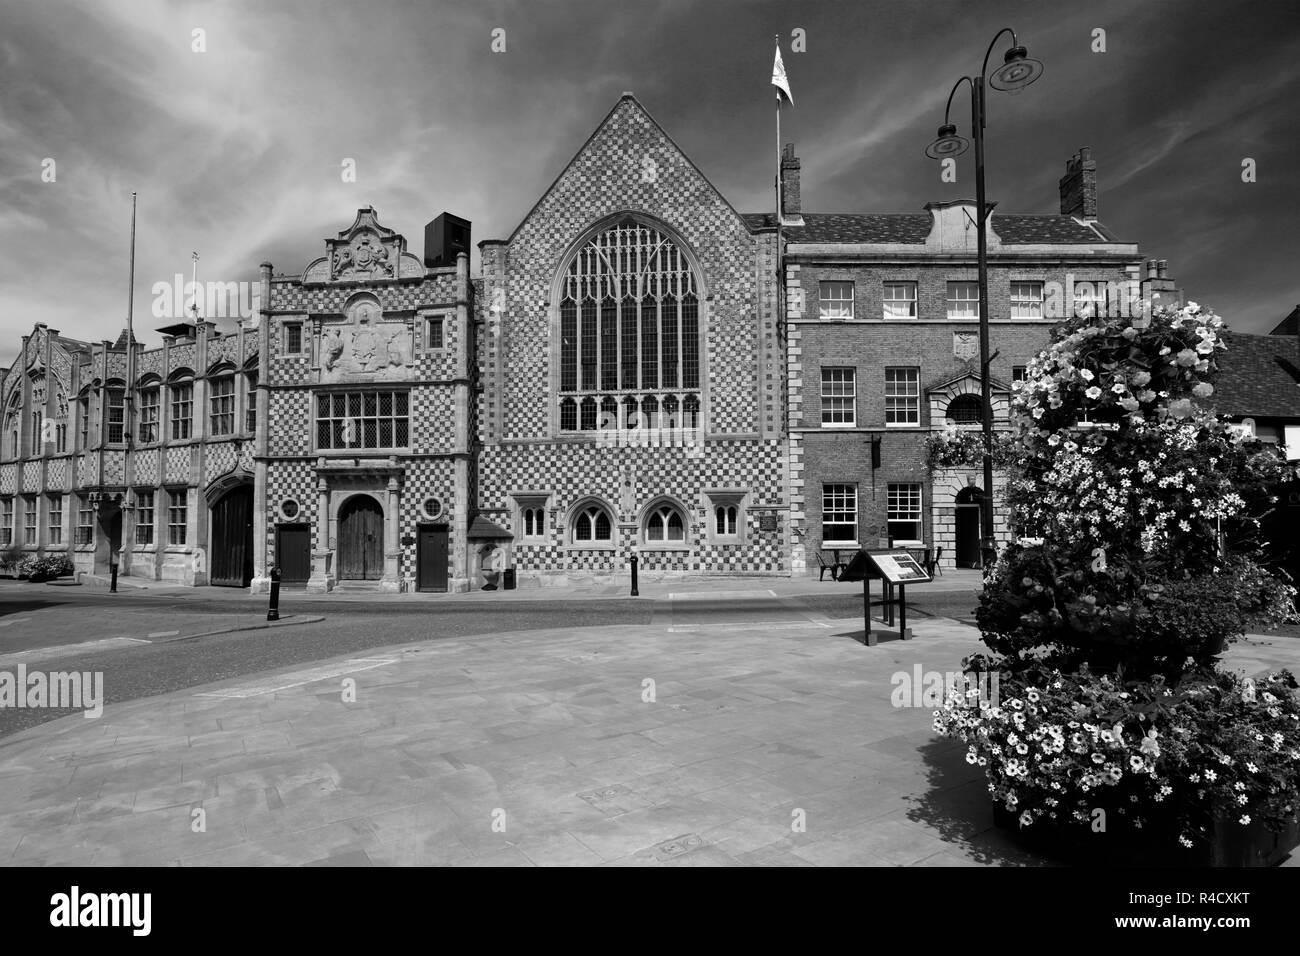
(948, 108)
(984, 68)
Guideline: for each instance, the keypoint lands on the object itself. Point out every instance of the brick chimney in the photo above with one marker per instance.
(1079, 186)
(791, 201)
(1158, 282)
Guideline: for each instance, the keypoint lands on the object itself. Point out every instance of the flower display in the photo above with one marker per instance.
(1138, 561)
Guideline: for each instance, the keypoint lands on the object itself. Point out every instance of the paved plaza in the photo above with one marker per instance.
(770, 742)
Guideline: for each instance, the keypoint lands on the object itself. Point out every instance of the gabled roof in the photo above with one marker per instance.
(1290, 325)
(1259, 376)
(820, 227)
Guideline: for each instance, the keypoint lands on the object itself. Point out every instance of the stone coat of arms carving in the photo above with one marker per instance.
(366, 348)
(965, 346)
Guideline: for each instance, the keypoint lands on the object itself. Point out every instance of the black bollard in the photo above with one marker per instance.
(273, 612)
(635, 592)
(112, 584)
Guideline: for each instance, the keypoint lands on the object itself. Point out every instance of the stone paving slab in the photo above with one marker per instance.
(761, 748)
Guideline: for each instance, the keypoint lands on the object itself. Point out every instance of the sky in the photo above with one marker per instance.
(237, 150)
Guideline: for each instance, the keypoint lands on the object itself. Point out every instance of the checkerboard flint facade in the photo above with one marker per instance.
(626, 376)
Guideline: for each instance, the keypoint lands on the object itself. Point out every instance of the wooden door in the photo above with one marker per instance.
(431, 558)
(361, 540)
(293, 553)
(231, 560)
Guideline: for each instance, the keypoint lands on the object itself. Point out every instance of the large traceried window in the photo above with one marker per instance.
(629, 334)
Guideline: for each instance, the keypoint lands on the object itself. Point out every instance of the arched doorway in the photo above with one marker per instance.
(231, 559)
(361, 539)
(969, 502)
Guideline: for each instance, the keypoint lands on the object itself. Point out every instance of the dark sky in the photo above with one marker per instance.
(236, 152)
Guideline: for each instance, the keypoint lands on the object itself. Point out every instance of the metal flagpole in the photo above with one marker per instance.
(128, 416)
(779, 278)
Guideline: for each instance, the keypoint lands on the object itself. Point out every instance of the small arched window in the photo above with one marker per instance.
(966, 410)
(725, 521)
(534, 522)
(665, 524)
(592, 525)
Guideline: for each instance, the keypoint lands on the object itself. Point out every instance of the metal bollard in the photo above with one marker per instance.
(273, 612)
(635, 592)
(112, 584)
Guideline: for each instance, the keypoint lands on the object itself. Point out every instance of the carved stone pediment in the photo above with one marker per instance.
(365, 252)
(365, 347)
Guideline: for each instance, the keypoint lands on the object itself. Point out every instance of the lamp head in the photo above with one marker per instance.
(1017, 71)
(948, 144)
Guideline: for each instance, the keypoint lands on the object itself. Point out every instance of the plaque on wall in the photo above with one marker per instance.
(767, 522)
(965, 345)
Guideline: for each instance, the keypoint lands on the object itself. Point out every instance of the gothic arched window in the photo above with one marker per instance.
(629, 331)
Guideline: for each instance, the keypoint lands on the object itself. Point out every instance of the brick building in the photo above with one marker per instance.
(882, 315)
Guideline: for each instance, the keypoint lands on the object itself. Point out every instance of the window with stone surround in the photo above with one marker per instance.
(370, 418)
(665, 527)
(144, 517)
(629, 334)
(115, 415)
(85, 520)
(592, 525)
(221, 405)
(29, 519)
(180, 395)
(150, 409)
(178, 514)
(54, 520)
(966, 410)
(293, 339)
(6, 521)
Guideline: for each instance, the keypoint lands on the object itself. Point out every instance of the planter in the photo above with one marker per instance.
(1124, 845)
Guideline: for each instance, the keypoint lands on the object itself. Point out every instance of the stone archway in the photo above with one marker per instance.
(970, 502)
(360, 539)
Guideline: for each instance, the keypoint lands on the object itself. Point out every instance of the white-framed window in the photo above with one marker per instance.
(178, 515)
(963, 300)
(221, 406)
(725, 521)
(1026, 300)
(839, 513)
(905, 511)
(835, 299)
(839, 397)
(181, 411)
(900, 300)
(902, 396)
(1089, 299)
(54, 520)
(966, 410)
(363, 419)
(29, 519)
(592, 525)
(665, 526)
(150, 408)
(293, 338)
(144, 517)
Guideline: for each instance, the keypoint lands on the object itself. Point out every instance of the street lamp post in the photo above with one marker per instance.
(1017, 71)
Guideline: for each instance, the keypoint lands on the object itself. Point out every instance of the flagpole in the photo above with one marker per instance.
(777, 38)
(128, 412)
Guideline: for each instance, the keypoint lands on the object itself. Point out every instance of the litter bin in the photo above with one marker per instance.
(508, 579)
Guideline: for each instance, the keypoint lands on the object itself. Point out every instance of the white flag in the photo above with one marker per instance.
(779, 79)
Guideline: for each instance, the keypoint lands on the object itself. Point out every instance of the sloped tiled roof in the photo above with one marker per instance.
(1259, 376)
(915, 227)
(1290, 325)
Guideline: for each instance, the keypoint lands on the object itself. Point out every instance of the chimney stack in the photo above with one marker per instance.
(791, 201)
(1079, 186)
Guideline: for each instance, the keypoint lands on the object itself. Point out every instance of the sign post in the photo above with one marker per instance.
(897, 567)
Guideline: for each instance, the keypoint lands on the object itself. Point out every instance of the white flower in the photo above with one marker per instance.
(1245, 819)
